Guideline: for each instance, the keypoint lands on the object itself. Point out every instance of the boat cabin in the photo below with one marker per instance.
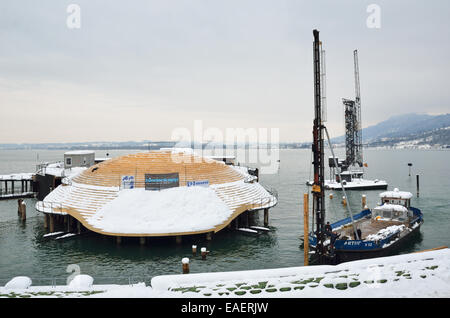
(397, 197)
(395, 205)
(348, 176)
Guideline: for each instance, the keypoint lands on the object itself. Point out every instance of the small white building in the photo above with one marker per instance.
(79, 158)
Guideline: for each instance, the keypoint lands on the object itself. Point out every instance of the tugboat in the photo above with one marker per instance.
(379, 232)
(370, 233)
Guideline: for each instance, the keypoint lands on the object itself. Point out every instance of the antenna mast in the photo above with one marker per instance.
(358, 125)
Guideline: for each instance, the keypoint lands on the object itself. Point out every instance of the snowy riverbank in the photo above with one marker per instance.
(424, 274)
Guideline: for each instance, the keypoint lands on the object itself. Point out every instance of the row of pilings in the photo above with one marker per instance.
(54, 222)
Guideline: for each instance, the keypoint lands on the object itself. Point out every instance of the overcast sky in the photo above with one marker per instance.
(136, 70)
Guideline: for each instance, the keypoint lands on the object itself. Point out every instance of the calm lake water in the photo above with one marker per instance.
(24, 251)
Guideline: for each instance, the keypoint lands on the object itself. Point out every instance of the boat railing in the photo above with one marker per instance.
(349, 220)
(40, 168)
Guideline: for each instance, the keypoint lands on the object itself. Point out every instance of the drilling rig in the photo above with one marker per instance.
(353, 129)
(318, 190)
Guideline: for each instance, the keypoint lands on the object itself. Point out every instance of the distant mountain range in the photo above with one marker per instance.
(408, 131)
(402, 131)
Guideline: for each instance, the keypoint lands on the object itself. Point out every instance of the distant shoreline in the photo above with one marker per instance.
(154, 147)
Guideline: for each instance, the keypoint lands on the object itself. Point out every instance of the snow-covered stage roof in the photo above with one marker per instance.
(111, 197)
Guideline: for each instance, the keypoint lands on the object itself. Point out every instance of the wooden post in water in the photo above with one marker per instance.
(266, 217)
(19, 203)
(344, 201)
(204, 252)
(185, 262)
(306, 228)
(52, 223)
(23, 211)
(45, 221)
(363, 201)
(209, 236)
(194, 250)
(331, 196)
(417, 181)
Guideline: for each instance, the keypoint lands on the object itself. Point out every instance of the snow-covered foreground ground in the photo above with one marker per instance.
(424, 274)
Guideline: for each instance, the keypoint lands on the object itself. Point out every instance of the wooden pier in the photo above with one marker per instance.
(17, 186)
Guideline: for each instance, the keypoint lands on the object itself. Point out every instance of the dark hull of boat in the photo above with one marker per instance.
(347, 256)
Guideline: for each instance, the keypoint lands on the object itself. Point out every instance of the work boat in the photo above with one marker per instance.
(373, 233)
(353, 180)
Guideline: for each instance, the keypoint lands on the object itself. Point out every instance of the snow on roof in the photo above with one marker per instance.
(174, 210)
(391, 207)
(396, 194)
(221, 157)
(188, 151)
(61, 172)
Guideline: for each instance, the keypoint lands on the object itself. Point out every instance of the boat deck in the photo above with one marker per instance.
(367, 227)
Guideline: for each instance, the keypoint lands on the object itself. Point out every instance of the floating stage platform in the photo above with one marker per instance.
(157, 194)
